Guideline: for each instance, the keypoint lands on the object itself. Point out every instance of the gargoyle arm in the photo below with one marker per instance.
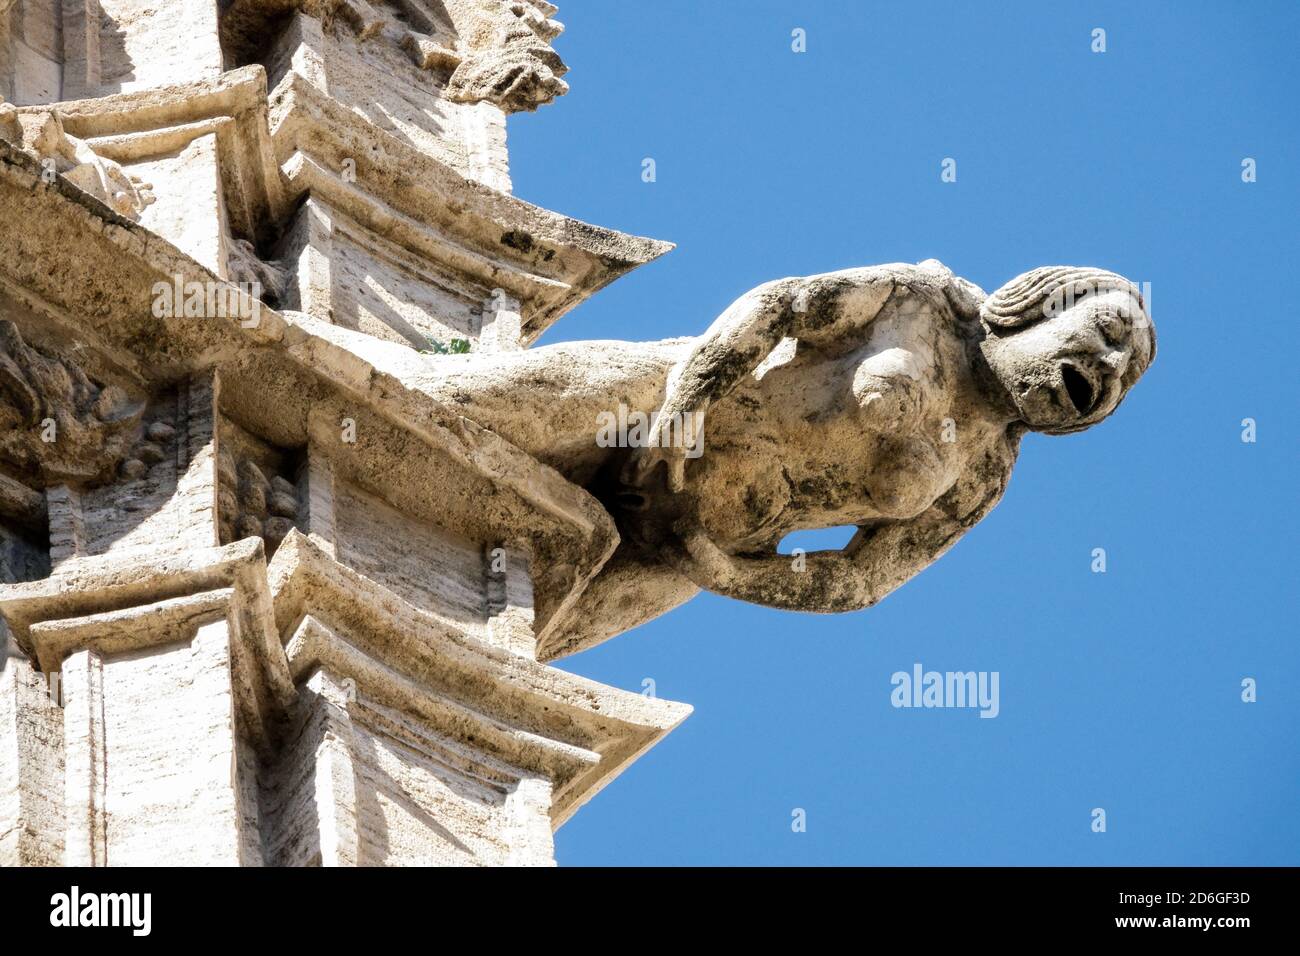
(875, 562)
(812, 309)
(817, 310)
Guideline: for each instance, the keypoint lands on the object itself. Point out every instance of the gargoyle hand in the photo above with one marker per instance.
(702, 562)
(675, 437)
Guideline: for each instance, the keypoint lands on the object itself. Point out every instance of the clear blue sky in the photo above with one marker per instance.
(1119, 690)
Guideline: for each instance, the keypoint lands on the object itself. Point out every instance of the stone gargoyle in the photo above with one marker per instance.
(891, 398)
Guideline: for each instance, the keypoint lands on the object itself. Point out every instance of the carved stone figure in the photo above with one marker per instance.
(488, 50)
(299, 582)
(520, 76)
(43, 136)
(895, 402)
(56, 425)
(508, 60)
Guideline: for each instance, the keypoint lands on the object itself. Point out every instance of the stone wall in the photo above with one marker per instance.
(262, 602)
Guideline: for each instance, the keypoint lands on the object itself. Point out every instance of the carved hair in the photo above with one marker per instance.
(1047, 291)
(1042, 293)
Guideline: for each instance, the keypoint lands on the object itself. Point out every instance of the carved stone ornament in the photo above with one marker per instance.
(43, 136)
(891, 397)
(283, 588)
(56, 425)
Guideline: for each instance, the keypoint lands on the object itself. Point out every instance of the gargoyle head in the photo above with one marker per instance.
(509, 60)
(1067, 344)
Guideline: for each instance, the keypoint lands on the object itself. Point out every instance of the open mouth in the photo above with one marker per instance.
(1079, 390)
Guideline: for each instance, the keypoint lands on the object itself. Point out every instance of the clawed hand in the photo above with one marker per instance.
(642, 464)
(673, 439)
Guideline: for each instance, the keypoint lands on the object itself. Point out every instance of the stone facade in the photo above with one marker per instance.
(261, 602)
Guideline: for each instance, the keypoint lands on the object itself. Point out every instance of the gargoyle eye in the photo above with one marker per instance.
(1112, 327)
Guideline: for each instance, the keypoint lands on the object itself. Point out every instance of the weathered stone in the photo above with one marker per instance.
(929, 380)
(44, 137)
(160, 432)
(291, 515)
(372, 696)
(56, 425)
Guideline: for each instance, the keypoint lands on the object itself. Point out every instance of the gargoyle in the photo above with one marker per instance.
(503, 56)
(891, 398)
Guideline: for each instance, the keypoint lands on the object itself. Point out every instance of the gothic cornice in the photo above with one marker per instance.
(67, 261)
(549, 261)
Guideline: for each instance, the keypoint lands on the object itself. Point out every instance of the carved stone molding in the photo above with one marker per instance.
(263, 599)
